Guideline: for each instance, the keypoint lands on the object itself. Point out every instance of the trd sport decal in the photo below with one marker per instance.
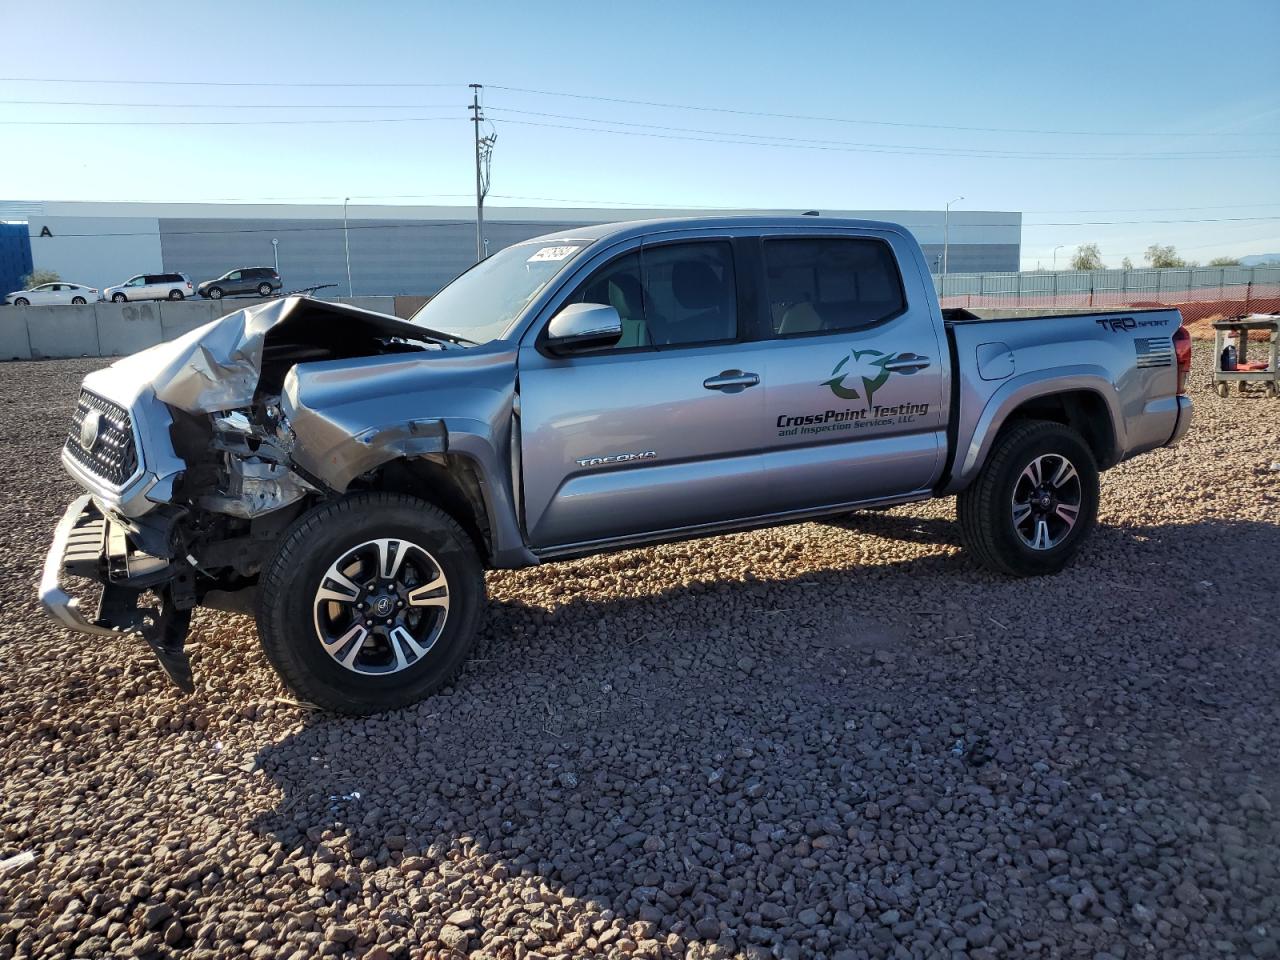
(872, 373)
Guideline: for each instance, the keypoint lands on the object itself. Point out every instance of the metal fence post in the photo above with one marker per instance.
(1248, 295)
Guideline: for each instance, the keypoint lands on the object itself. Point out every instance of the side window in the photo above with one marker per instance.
(828, 284)
(617, 284)
(669, 296)
(234, 275)
(690, 293)
(136, 282)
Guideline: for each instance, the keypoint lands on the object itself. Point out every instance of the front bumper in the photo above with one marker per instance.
(88, 544)
(1182, 423)
(79, 546)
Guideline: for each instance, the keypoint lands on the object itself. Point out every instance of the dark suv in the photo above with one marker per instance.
(260, 280)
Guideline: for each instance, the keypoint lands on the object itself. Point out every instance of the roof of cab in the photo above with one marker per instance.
(630, 228)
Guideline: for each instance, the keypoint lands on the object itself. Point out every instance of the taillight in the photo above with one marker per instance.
(1182, 349)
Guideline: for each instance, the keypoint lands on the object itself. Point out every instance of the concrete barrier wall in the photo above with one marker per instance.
(119, 329)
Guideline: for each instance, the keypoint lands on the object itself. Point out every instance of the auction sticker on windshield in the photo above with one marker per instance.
(552, 253)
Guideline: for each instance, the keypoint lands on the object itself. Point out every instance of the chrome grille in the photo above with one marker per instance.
(111, 455)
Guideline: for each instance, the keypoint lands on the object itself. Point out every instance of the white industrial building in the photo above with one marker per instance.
(392, 250)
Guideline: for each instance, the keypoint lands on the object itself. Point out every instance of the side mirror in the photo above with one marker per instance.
(583, 326)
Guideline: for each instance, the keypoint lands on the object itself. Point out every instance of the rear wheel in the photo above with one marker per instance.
(1034, 502)
(370, 602)
(118, 298)
(175, 294)
(79, 301)
(264, 289)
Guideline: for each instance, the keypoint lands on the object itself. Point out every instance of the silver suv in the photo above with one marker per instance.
(263, 281)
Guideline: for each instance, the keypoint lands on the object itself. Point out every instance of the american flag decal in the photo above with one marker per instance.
(1154, 351)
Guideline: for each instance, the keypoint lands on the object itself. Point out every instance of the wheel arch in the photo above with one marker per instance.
(451, 481)
(1084, 400)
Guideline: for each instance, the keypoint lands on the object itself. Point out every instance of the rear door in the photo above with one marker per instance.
(857, 377)
(660, 432)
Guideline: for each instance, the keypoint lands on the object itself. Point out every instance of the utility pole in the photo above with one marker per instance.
(346, 243)
(946, 232)
(484, 152)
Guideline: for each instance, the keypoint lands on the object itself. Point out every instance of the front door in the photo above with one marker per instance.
(661, 431)
(857, 375)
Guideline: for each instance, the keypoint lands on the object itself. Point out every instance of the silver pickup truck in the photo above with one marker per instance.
(347, 477)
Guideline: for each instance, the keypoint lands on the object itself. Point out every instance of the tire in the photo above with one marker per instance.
(175, 295)
(21, 302)
(214, 293)
(118, 298)
(264, 289)
(78, 301)
(988, 508)
(384, 671)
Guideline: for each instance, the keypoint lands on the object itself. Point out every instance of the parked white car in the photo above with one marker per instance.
(48, 293)
(151, 286)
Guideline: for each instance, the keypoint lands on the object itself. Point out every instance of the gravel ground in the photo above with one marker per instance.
(832, 740)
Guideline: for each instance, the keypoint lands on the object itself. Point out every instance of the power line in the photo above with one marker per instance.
(916, 152)
(911, 148)
(853, 120)
(213, 123)
(225, 83)
(234, 106)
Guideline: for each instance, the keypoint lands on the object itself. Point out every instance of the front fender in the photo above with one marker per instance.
(351, 417)
(976, 434)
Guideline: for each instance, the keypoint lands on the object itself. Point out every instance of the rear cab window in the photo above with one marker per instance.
(818, 285)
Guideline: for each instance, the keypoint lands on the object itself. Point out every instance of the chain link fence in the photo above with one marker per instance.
(1234, 289)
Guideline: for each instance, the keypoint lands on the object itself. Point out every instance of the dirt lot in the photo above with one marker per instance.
(833, 740)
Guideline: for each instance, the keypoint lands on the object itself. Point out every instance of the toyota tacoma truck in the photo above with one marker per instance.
(346, 477)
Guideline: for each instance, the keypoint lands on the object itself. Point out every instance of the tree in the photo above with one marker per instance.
(1087, 257)
(1126, 264)
(39, 276)
(1225, 262)
(1162, 256)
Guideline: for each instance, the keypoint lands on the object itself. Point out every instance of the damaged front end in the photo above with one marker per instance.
(193, 470)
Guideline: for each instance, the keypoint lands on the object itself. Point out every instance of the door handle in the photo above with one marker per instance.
(906, 363)
(731, 381)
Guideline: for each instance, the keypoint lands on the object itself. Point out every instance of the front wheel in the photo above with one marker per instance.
(118, 298)
(1034, 502)
(215, 293)
(21, 302)
(370, 602)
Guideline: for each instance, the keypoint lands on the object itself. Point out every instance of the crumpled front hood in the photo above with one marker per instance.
(217, 366)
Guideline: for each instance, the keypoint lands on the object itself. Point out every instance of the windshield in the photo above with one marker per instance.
(482, 304)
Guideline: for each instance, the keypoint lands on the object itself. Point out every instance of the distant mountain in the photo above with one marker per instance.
(1257, 259)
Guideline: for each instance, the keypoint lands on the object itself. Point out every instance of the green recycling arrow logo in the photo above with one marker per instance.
(872, 373)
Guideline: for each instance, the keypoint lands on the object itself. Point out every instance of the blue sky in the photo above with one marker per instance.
(1185, 93)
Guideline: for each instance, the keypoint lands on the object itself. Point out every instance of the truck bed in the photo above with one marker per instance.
(956, 315)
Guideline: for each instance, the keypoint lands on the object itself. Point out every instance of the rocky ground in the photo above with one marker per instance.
(832, 740)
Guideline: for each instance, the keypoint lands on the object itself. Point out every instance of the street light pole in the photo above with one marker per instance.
(946, 232)
(1055, 255)
(275, 253)
(346, 243)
